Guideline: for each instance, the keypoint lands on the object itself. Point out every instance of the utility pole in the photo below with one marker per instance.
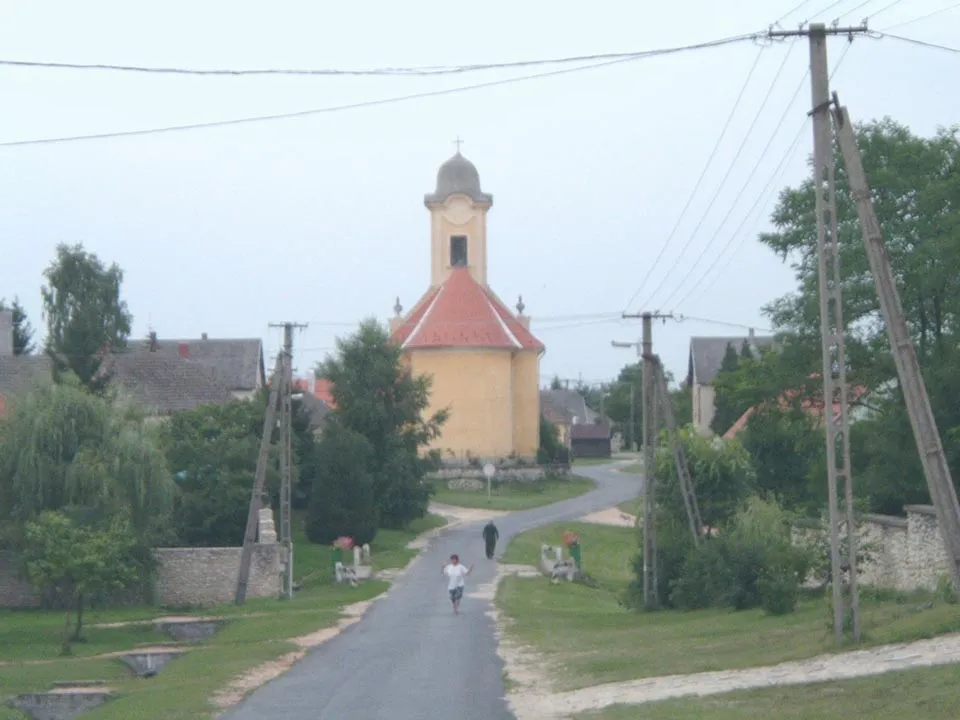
(286, 460)
(256, 495)
(925, 431)
(835, 392)
(679, 455)
(650, 594)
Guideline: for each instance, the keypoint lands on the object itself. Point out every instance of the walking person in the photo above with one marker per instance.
(490, 537)
(456, 572)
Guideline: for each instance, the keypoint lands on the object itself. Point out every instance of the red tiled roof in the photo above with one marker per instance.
(463, 313)
(810, 406)
(323, 390)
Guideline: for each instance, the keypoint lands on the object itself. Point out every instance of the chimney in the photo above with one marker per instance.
(203, 336)
(184, 351)
(6, 332)
(153, 341)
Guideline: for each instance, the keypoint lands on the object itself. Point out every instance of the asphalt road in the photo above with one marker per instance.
(410, 658)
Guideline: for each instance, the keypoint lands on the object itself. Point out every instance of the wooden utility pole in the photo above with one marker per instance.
(925, 432)
(256, 495)
(687, 489)
(835, 390)
(650, 594)
(286, 461)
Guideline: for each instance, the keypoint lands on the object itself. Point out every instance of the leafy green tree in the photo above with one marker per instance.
(342, 502)
(727, 411)
(69, 562)
(212, 452)
(379, 399)
(551, 450)
(22, 329)
(722, 474)
(746, 353)
(84, 313)
(62, 448)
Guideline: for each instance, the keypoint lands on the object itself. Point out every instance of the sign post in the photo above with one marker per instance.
(489, 471)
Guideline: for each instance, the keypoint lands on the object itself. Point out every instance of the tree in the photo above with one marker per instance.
(551, 450)
(556, 384)
(212, 452)
(22, 329)
(915, 184)
(377, 397)
(69, 562)
(85, 315)
(342, 502)
(745, 352)
(726, 412)
(62, 448)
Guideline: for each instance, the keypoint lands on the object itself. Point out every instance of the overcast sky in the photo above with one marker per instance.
(320, 219)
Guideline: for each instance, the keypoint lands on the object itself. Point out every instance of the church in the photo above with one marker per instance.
(483, 360)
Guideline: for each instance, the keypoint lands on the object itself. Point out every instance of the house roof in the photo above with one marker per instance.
(591, 431)
(316, 408)
(161, 382)
(809, 405)
(463, 313)
(569, 404)
(237, 362)
(706, 354)
(166, 384)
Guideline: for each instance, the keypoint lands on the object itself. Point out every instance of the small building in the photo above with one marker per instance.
(583, 430)
(591, 440)
(706, 357)
(483, 360)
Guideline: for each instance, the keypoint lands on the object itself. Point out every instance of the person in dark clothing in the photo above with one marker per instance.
(490, 537)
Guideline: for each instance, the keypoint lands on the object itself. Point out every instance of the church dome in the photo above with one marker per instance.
(458, 176)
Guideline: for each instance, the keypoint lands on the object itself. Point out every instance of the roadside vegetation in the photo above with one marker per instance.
(516, 496)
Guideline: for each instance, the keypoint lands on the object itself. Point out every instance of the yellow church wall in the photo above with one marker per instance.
(526, 403)
(477, 386)
(458, 216)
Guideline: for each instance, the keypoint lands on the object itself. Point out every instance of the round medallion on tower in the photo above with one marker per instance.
(458, 176)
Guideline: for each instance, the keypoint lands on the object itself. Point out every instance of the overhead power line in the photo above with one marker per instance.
(922, 17)
(700, 287)
(723, 180)
(921, 43)
(696, 187)
(888, 6)
(411, 71)
(381, 101)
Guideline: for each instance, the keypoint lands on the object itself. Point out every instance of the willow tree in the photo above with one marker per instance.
(94, 458)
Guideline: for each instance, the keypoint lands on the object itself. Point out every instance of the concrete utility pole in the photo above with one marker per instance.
(286, 460)
(256, 495)
(650, 595)
(925, 432)
(835, 390)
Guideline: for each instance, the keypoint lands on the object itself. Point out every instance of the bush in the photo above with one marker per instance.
(342, 499)
(751, 563)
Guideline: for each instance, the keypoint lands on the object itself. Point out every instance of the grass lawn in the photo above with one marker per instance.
(593, 461)
(603, 641)
(634, 468)
(631, 507)
(516, 496)
(928, 693)
(256, 633)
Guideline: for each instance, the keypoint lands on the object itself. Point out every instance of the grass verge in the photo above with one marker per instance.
(256, 633)
(928, 693)
(633, 468)
(516, 496)
(604, 641)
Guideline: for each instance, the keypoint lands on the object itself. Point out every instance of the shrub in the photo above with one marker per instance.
(342, 500)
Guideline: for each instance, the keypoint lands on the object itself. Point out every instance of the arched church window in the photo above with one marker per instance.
(458, 251)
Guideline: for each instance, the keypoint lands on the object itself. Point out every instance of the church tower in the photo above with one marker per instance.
(483, 361)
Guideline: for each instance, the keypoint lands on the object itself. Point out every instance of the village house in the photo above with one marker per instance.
(706, 357)
(582, 430)
(482, 358)
(162, 380)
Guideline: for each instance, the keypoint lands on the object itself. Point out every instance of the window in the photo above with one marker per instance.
(458, 251)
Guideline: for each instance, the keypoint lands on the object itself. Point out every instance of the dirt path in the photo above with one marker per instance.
(534, 695)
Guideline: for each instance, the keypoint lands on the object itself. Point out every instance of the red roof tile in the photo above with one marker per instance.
(323, 389)
(463, 313)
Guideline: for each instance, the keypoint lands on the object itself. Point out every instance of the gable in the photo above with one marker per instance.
(706, 354)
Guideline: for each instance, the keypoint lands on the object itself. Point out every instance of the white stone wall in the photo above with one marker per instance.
(903, 553)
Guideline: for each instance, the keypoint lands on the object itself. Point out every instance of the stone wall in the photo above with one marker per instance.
(902, 553)
(185, 576)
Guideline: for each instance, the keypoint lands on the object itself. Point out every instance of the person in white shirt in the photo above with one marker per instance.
(456, 572)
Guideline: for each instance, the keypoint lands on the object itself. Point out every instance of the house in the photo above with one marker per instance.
(581, 429)
(812, 406)
(237, 362)
(706, 357)
(162, 382)
(317, 400)
(483, 360)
